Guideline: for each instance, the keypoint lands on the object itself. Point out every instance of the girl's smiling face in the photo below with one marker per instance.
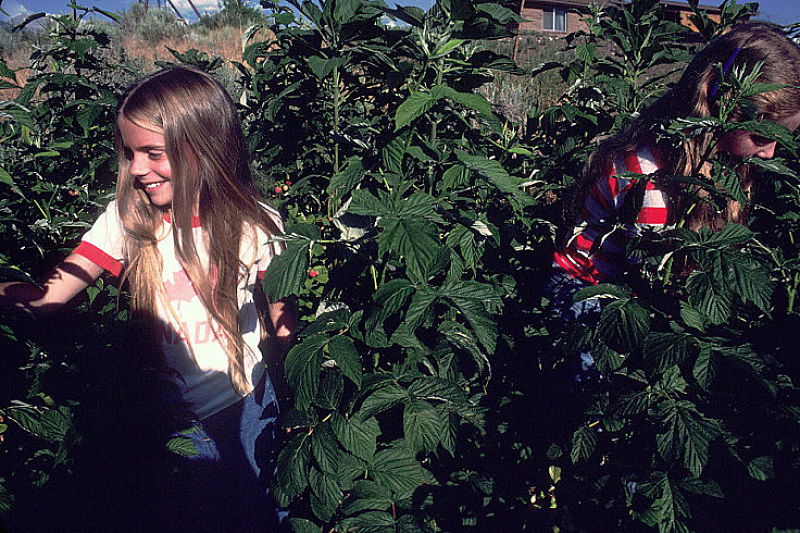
(146, 153)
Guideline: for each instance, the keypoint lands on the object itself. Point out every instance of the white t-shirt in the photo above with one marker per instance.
(203, 367)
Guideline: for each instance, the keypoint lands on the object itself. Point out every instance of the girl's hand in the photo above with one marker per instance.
(69, 278)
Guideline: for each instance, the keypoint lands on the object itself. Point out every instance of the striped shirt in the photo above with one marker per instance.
(595, 250)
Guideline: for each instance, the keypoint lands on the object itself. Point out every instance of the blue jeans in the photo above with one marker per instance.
(225, 487)
(560, 288)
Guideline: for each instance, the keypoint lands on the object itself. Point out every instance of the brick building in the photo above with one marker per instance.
(566, 16)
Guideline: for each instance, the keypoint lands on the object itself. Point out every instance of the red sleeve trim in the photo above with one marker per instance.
(261, 274)
(98, 257)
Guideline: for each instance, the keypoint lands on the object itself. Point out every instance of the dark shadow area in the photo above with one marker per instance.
(106, 467)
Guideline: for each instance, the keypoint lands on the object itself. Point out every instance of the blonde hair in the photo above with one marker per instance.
(211, 178)
(692, 97)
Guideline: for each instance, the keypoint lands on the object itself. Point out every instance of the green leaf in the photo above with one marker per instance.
(5, 177)
(293, 469)
(321, 66)
(325, 494)
(666, 349)
(19, 115)
(392, 154)
(704, 368)
(368, 495)
(324, 448)
(370, 522)
(398, 470)
(709, 296)
(367, 204)
(761, 468)
(392, 296)
(330, 390)
(687, 435)
(416, 240)
(447, 47)
(416, 105)
(382, 399)
(494, 172)
(584, 442)
(471, 298)
(357, 436)
(303, 366)
(422, 425)
(729, 235)
(182, 446)
(301, 525)
(343, 182)
(86, 116)
(473, 101)
(48, 424)
(344, 352)
(498, 12)
(287, 272)
(585, 52)
(623, 324)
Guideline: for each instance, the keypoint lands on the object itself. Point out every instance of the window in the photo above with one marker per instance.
(555, 19)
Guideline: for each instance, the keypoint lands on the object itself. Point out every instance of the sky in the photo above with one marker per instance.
(777, 11)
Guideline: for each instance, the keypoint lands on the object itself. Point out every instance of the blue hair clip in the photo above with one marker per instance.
(725, 71)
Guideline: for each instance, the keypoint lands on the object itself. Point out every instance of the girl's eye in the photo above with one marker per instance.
(760, 140)
(155, 154)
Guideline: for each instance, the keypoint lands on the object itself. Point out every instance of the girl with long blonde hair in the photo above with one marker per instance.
(613, 206)
(191, 238)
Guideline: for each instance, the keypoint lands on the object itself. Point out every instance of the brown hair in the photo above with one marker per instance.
(211, 178)
(692, 97)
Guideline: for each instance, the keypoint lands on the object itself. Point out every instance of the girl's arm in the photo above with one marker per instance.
(69, 278)
(283, 315)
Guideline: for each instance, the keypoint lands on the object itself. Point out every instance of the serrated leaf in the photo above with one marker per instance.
(687, 435)
(182, 446)
(344, 182)
(344, 352)
(368, 495)
(666, 349)
(494, 172)
(584, 441)
(325, 494)
(357, 436)
(422, 425)
(370, 522)
(324, 448)
(303, 366)
(382, 399)
(398, 470)
(416, 105)
(761, 468)
(709, 296)
(471, 298)
(623, 324)
(703, 369)
(293, 469)
(415, 240)
(287, 272)
(301, 525)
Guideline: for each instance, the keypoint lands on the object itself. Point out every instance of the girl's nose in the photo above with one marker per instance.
(137, 166)
(768, 151)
